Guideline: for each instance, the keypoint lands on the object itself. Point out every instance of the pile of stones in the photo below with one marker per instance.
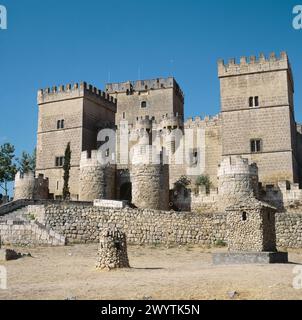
(112, 253)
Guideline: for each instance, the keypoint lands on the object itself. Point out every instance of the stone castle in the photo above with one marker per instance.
(254, 137)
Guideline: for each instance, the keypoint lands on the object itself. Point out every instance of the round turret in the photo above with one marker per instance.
(150, 179)
(97, 181)
(237, 181)
(24, 186)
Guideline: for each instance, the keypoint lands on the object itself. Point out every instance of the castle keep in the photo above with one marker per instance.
(257, 113)
(256, 125)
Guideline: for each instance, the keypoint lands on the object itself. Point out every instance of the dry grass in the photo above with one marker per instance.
(158, 272)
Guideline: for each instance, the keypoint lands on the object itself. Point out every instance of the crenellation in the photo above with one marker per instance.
(144, 85)
(199, 122)
(254, 125)
(77, 90)
(253, 65)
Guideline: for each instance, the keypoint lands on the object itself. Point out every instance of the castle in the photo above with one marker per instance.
(256, 122)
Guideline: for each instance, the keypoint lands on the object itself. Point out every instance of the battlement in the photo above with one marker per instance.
(199, 122)
(73, 91)
(254, 65)
(29, 176)
(144, 85)
(90, 158)
(237, 165)
(173, 120)
(27, 186)
(145, 123)
(284, 196)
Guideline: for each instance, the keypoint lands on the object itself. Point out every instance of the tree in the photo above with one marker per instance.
(66, 168)
(182, 183)
(8, 169)
(27, 162)
(204, 180)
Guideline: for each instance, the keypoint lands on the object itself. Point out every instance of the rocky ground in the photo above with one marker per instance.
(156, 273)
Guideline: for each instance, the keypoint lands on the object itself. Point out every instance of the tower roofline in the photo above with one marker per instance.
(143, 85)
(74, 91)
(253, 64)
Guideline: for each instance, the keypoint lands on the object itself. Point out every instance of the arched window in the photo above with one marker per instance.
(144, 104)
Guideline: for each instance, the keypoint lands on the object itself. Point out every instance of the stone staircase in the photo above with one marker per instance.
(18, 227)
(17, 215)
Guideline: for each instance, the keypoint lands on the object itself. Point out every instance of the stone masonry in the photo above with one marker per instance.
(257, 105)
(73, 113)
(112, 253)
(237, 181)
(27, 186)
(256, 122)
(251, 227)
(97, 181)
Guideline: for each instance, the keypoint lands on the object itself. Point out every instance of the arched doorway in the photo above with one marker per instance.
(126, 191)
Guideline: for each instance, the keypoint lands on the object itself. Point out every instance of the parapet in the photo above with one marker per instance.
(285, 196)
(199, 122)
(236, 165)
(29, 187)
(144, 85)
(30, 176)
(144, 123)
(254, 65)
(171, 121)
(72, 91)
(89, 159)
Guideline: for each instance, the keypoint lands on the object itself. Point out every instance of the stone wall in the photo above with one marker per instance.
(29, 234)
(201, 201)
(289, 230)
(206, 133)
(285, 196)
(85, 224)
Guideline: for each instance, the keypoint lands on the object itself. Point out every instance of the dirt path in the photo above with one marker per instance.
(157, 273)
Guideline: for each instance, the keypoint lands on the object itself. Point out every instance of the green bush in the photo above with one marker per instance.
(220, 243)
(203, 180)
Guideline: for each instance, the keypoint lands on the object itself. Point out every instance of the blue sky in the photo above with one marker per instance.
(59, 41)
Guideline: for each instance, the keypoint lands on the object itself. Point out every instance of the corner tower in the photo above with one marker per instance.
(71, 113)
(258, 115)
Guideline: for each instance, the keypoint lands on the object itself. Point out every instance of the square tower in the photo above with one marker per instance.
(153, 98)
(258, 115)
(69, 114)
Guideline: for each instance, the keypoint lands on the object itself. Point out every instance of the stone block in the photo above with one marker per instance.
(233, 258)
